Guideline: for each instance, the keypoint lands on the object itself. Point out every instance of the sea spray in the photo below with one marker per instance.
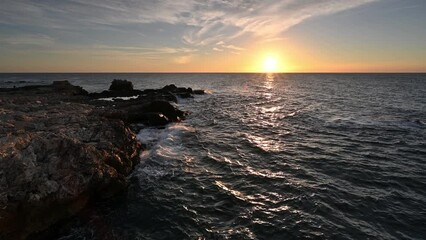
(162, 144)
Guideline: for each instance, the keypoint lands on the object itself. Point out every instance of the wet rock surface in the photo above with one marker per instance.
(60, 148)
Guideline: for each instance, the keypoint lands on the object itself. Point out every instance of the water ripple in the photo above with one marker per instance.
(287, 156)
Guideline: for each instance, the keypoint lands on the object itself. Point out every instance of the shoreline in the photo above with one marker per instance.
(61, 147)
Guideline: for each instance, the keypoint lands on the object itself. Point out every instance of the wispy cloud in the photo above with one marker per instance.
(144, 50)
(183, 59)
(221, 46)
(27, 39)
(207, 23)
(232, 47)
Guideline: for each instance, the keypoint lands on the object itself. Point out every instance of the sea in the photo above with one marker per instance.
(270, 156)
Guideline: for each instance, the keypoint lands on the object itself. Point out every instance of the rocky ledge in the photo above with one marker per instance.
(61, 147)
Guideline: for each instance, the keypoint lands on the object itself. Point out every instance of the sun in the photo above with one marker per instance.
(270, 64)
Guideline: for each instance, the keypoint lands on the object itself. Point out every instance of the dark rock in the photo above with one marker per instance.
(118, 88)
(179, 91)
(57, 158)
(184, 90)
(166, 108)
(68, 88)
(150, 118)
(134, 111)
(153, 94)
(121, 85)
(170, 88)
(57, 87)
(114, 94)
(184, 95)
(199, 92)
(61, 148)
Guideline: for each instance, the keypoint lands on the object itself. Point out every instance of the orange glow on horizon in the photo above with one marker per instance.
(269, 63)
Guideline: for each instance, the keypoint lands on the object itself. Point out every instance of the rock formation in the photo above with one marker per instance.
(60, 148)
(121, 85)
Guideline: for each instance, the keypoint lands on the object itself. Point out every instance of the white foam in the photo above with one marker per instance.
(163, 149)
(163, 142)
(181, 128)
(149, 136)
(111, 99)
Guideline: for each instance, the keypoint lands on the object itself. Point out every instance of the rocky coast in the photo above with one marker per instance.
(62, 147)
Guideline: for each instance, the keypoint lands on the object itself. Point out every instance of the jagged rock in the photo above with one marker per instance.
(170, 88)
(55, 159)
(166, 108)
(184, 90)
(60, 148)
(121, 85)
(137, 110)
(66, 87)
(179, 91)
(118, 88)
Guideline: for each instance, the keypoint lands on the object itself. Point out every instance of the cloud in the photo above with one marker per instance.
(27, 39)
(206, 22)
(222, 47)
(183, 59)
(233, 47)
(145, 50)
(177, 55)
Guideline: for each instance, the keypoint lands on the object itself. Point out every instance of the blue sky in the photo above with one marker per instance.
(195, 35)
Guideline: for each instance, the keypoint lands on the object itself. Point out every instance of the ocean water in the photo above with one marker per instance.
(271, 156)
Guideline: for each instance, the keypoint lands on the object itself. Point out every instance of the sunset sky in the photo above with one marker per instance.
(212, 36)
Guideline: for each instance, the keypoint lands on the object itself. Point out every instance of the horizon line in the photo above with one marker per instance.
(37, 72)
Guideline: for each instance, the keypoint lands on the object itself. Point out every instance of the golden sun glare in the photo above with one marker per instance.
(270, 64)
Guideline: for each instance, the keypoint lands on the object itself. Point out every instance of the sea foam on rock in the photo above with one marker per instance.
(61, 148)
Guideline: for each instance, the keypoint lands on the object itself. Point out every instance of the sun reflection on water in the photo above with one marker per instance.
(269, 80)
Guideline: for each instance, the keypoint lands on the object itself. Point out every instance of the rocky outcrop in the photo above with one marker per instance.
(182, 92)
(124, 88)
(54, 157)
(57, 88)
(118, 88)
(121, 85)
(61, 148)
(138, 111)
(64, 87)
(154, 107)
